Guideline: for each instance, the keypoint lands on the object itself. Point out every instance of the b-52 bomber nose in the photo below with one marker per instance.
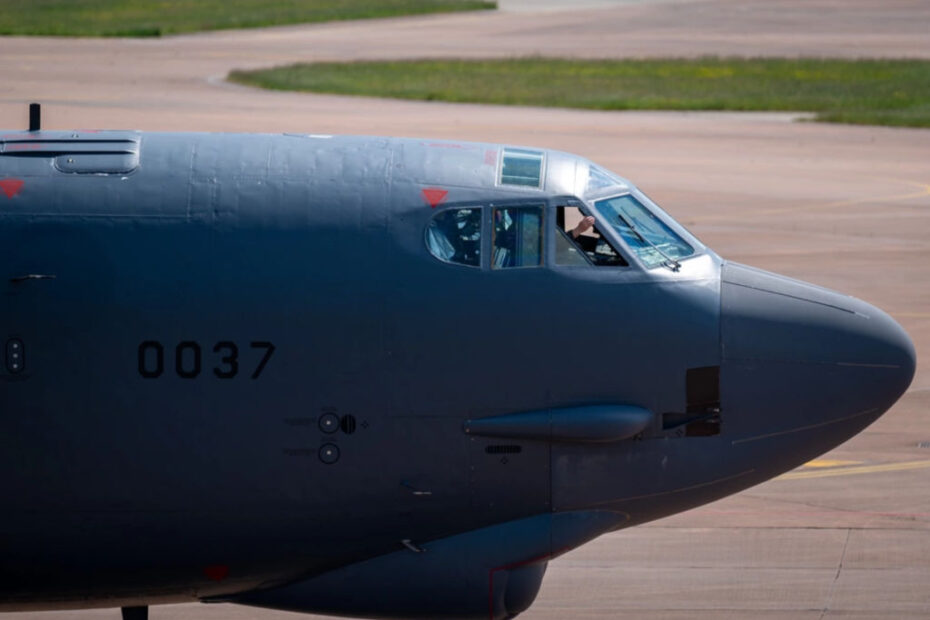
(486, 356)
(804, 368)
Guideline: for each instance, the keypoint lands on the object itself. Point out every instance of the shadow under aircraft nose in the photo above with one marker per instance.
(804, 366)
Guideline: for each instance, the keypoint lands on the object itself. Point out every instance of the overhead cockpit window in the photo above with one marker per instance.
(599, 179)
(454, 235)
(579, 242)
(522, 167)
(653, 241)
(517, 240)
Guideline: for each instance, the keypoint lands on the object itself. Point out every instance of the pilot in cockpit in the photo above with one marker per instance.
(586, 241)
(586, 224)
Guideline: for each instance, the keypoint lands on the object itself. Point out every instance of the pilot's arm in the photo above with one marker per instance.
(583, 226)
(587, 243)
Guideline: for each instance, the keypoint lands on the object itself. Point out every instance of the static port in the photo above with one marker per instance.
(329, 453)
(329, 422)
(15, 355)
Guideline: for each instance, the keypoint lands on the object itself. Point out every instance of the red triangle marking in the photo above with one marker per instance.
(434, 196)
(217, 572)
(11, 187)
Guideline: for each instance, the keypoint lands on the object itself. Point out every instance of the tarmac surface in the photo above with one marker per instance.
(848, 535)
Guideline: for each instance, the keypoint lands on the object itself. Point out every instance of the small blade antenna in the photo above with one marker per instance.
(35, 117)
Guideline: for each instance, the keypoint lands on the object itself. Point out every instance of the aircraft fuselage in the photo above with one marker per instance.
(244, 365)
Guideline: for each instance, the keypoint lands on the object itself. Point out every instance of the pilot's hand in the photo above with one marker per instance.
(583, 225)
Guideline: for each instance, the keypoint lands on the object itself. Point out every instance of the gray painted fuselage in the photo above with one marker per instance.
(191, 307)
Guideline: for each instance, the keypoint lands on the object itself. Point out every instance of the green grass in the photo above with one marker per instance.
(146, 18)
(875, 92)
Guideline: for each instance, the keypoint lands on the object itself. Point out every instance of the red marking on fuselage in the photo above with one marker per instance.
(490, 157)
(434, 196)
(217, 572)
(11, 187)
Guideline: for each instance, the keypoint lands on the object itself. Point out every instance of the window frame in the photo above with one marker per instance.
(657, 212)
(548, 206)
(483, 245)
(621, 249)
(541, 206)
(543, 165)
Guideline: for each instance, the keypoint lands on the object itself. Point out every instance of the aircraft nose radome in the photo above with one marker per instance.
(796, 355)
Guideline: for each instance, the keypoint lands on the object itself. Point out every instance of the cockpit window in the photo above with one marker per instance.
(653, 241)
(522, 167)
(599, 179)
(579, 242)
(517, 237)
(454, 235)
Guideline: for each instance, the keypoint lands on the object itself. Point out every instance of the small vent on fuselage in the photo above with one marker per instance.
(703, 388)
(347, 424)
(503, 449)
(702, 417)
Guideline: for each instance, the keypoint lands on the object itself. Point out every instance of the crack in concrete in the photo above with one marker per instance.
(836, 578)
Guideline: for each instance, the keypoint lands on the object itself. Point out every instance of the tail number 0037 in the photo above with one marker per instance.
(188, 359)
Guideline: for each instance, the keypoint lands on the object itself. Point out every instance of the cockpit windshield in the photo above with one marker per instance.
(653, 241)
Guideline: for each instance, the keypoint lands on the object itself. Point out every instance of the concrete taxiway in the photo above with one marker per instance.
(847, 536)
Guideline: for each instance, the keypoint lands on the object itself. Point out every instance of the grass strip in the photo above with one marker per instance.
(146, 18)
(873, 92)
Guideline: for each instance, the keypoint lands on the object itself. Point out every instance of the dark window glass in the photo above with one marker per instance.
(454, 235)
(522, 167)
(517, 240)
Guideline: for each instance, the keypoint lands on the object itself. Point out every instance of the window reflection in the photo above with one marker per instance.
(600, 179)
(522, 167)
(517, 237)
(653, 241)
(454, 235)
